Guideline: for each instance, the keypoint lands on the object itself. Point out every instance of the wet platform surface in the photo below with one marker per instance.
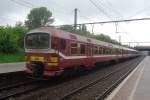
(136, 86)
(12, 67)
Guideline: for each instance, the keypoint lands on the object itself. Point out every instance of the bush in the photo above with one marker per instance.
(11, 39)
(6, 44)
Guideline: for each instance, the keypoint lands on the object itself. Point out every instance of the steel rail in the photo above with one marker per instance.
(91, 83)
(109, 89)
(15, 85)
(18, 92)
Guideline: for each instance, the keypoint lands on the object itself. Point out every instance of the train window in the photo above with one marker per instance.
(113, 51)
(110, 51)
(37, 41)
(107, 51)
(74, 48)
(95, 50)
(104, 50)
(82, 49)
(62, 43)
(119, 51)
(100, 50)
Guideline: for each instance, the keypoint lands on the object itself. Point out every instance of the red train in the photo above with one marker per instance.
(50, 51)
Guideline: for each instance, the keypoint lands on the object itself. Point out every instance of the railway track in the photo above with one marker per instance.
(18, 89)
(106, 79)
(15, 83)
(8, 79)
(79, 91)
(109, 89)
(23, 85)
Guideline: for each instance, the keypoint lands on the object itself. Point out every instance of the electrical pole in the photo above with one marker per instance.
(116, 29)
(116, 26)
(75, 18)
(92, 29)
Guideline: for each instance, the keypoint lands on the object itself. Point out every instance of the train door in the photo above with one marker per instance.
(90, 62)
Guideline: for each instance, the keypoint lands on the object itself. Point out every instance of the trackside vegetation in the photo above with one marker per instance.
(11, 43)
(12, 37)
(82, 30)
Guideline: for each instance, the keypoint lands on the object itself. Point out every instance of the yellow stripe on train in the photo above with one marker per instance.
(54, 59)
(37, 58)
(52, 64)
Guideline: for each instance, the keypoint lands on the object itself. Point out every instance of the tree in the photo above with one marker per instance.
(7, 45)
(20, 30)
(39, 17)
(67, 28)
(12, 38)
(82, 30)
(105, 38)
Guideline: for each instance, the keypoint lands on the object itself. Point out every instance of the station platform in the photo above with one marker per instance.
(12, 67)
(136, 86)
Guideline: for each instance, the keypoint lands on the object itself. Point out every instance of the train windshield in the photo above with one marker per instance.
(37, 41)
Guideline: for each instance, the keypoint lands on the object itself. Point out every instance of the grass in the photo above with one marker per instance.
(12, 58)
(9, 58)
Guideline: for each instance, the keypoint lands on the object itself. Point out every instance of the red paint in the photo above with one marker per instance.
(56, 36)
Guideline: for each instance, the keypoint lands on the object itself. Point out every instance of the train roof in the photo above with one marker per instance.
(71, 36)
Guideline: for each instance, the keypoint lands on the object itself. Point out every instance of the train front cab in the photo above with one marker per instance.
(40, 59)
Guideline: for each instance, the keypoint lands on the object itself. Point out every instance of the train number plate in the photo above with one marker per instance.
(37, 58)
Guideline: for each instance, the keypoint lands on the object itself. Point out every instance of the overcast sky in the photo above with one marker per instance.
(12, 11)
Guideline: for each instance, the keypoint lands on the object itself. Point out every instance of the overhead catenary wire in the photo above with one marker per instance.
(117, 25)
(30, 5)
(100, 9)
(140, 11)
(27, 3)
(83, 16)
(111, 7)
(109, 10)
(115, 21)
(22, 4)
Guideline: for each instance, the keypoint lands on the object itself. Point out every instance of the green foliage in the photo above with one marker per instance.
(12, 58)
(67, 28)
(7, 43)
(38, 17)
(83, 28)
(11, 39)
(105, 38)
(83, 31)
(19, 32)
